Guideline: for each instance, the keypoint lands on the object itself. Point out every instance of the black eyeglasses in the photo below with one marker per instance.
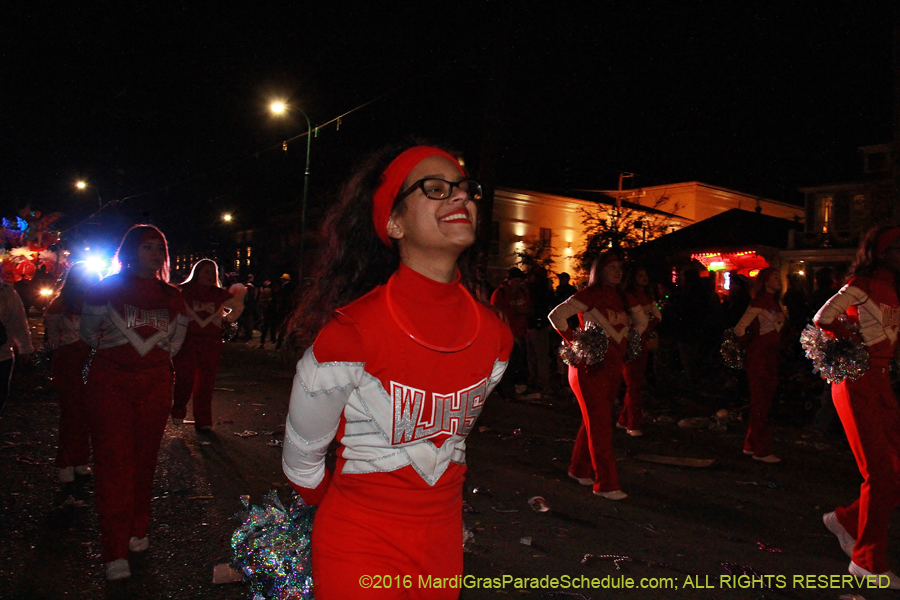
(441, 189)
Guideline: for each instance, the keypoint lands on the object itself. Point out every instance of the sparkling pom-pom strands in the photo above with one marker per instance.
(588, 346)
(835, 359)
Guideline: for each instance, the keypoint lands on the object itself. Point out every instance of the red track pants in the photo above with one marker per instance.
(761, 364)
(196, 365)
(596, 388)
(632, 415)
(870, 415)
(128, 411)
(74, 433)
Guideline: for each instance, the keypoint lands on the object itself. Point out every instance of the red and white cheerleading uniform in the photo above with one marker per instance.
(869, 412)
(62, 328)
(765, 319)
(644, 308)
(197, 363)
(398, 378)
(135, 326)
(596, 386)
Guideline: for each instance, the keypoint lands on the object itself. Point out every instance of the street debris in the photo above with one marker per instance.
(616, 559)
(538, 504)
(245, 433)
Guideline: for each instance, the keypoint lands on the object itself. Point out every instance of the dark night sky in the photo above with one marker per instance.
(167, 102)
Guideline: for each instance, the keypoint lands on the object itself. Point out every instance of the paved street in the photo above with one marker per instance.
(684, 528)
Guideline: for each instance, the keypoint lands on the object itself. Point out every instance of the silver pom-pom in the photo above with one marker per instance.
(635, 347)
(732, 350)
(588, 346)
(834, 359)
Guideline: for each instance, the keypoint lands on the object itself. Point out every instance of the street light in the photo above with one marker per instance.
(82, 185)
(279, 108)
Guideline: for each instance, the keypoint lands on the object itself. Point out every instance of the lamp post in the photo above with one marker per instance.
(83, 185)
(279, 108)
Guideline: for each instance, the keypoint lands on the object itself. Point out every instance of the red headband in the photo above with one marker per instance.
(391, 181)
(886, 239)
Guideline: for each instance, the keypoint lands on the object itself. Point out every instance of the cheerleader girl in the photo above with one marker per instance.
(596, 386)
(197, 363)
(640, 297)
(398, 374)
(135, 322)
(868, 407)
(765, 318)
(62, 324)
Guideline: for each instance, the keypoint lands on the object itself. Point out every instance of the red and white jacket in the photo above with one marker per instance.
(871, 302)
(134, 322)
(401, 410)
(208, 306)
(767, 313)
(601, 305)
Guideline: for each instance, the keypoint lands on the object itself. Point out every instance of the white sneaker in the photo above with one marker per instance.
(83, 470)
(634, 432)
(771, 459)
(138, 545)
(834, 526)
(67, 475)
(117, 569)
(613, 495)
(581, 480)
(876, 579)
(619, 425)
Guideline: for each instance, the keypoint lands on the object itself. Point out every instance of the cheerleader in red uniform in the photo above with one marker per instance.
(135, 322)
(398, 374)
(596, 386)
(868, 407)
(197, 363)
(62, 324)
(765, 319)
(640, 298)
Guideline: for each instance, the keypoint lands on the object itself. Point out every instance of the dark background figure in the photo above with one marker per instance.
(540, 293)
(738, 299)
(283, 300)
(797, 303)
(25, 291)
(697, 321)
(510, 300)
(268, 308)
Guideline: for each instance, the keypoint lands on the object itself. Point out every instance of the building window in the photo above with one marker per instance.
(825, 208)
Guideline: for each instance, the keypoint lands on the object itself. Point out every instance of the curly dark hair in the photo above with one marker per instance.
(352, 260)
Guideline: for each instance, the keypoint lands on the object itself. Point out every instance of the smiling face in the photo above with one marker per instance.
(427, 229)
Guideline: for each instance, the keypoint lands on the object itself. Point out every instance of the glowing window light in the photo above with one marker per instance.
(727, 284)
(753, 272)
(717, 265)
